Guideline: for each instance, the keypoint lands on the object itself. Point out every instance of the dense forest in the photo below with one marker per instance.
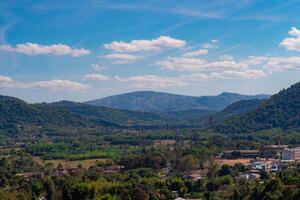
(245, 116)
(163, 102)
(281, 110)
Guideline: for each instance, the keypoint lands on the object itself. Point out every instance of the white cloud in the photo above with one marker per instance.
(195, 53)
(145, 45)
(152, 81)
(55, 84)
(210, 45)
(181, 64)
(5, 79)
(292, 43)
(37, 49)
(226, 57)
(255, 60)
(273, 64)
(247, 74)
(226, 64)
(98, 67)
(59, 85)
(196, 64)
(294, 32)
(96, 77)
(282, 63)
(120, 58)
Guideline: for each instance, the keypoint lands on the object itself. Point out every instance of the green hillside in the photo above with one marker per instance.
(163, 102)
(279, 111)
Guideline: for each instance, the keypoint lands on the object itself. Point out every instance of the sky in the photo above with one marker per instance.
(84, 50)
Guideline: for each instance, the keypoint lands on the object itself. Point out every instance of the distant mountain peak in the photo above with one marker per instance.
(152, 101)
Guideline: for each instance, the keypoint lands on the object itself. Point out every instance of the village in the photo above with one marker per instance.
(270, 159)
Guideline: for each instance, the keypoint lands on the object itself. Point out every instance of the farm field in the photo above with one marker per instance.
(232, 162)
(67, 163)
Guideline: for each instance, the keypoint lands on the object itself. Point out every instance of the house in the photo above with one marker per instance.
(269, 151)
(254, 176)
(291, 154)
(274, 167)
(60, 172)
(198, 174)
(243, 176)
(258, 165)
(113, 169)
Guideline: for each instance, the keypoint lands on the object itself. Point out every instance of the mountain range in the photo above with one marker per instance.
(149, 101)
(244, 114)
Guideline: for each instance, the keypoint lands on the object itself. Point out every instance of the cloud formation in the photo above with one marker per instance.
(37, 49)
(96, 77)
(145, 45)
(292, 43)
(55, 84)
(210, 45)
(278, 64)
(196, 64)
(98, 67)
(152, 81)
(199, 52)
(5, 79)
(121, 58)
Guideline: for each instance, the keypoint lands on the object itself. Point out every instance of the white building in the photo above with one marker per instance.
(291, 154)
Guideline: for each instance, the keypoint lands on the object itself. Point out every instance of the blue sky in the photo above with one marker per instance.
(83, 50)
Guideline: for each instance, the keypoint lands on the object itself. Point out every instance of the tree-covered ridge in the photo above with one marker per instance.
(163, 102)
(114, 116)
(15, 112)
(279, 111)
(237, 108)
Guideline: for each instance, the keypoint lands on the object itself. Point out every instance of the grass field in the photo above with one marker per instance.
(231, 162)
(68, 164)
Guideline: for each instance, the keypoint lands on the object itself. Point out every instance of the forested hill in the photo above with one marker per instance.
(163, 102)
(15, 113)
(236, 108)
(279, 111)
(124, 118)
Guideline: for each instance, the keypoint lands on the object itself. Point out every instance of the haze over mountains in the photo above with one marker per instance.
(149, 101)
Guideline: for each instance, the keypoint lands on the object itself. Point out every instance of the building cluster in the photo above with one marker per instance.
(291, 154)
(281, 152)
(269, 159)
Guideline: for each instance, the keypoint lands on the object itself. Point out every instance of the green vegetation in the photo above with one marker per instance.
(144, 156)
(139, 183)
(279, 111)
(72, 151)
(163, 102)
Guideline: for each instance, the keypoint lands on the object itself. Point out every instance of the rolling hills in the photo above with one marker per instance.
(149, 101)
(281, 110)
(246, 114)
